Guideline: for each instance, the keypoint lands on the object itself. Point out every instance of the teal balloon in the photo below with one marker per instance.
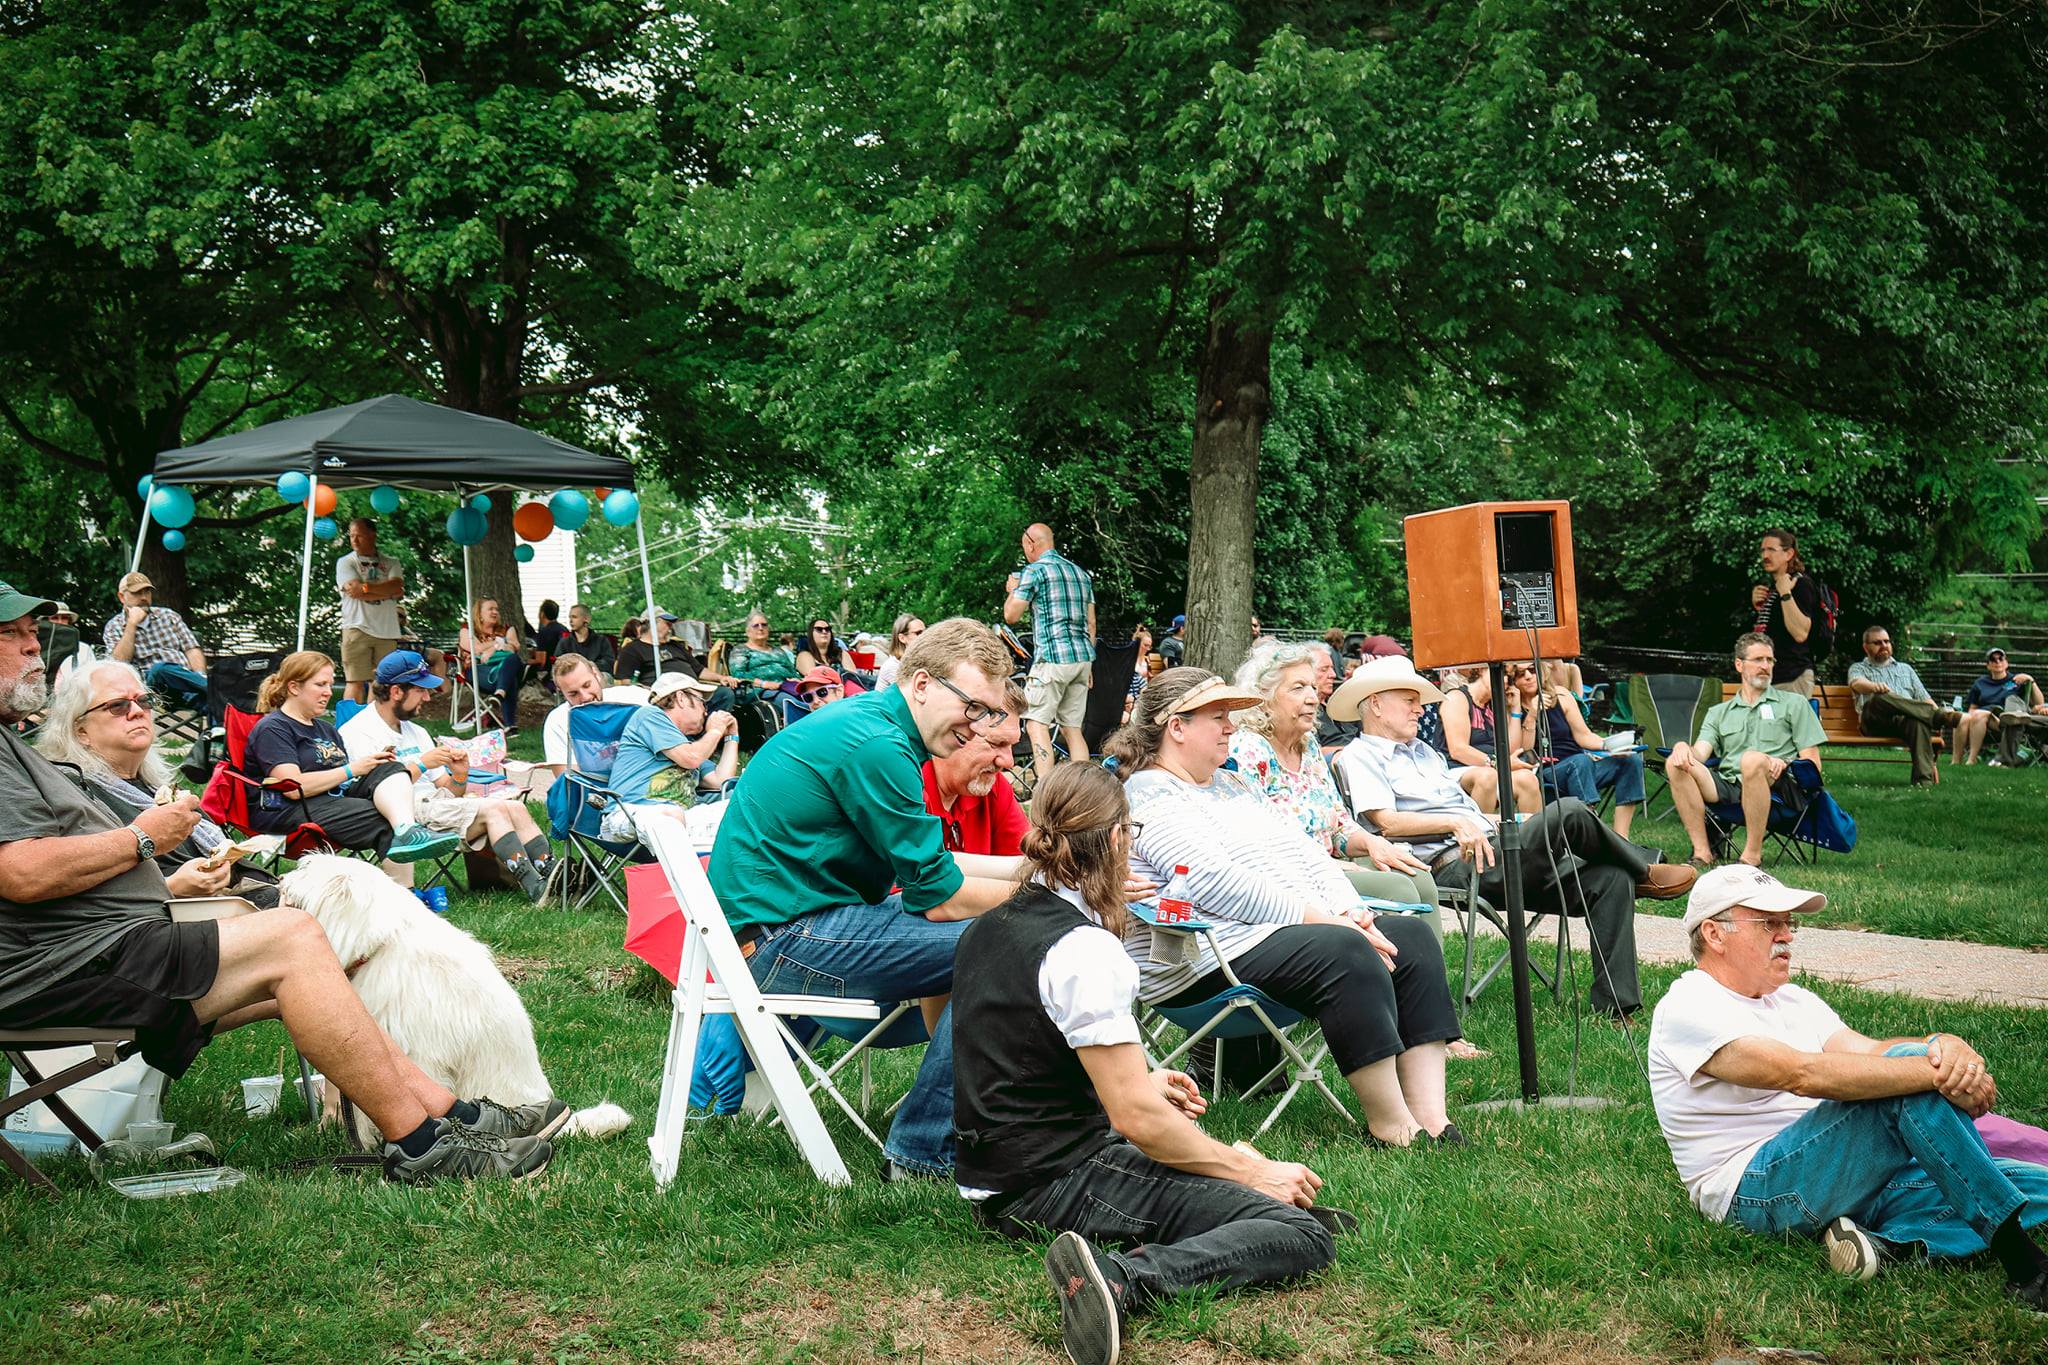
(294, 486)
(174, 541)
(467, 526)
(325, 529)
(170, 506)
(143, 485)
(622, 507)
(571, 510)
(481, 502)
(384, 499)
(523, 553)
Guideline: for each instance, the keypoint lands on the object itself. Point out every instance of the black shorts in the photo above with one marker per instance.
(1785, 789)
(146, 980)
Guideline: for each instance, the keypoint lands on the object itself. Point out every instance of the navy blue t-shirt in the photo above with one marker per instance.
(1990, 695)
(277, 739)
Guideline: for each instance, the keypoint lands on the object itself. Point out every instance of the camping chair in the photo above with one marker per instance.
(229, 801)
(110, 1047)
(1108, 689)
(1668, 709)
(231, 680)
(579, 798)
(710, 951)
(59, 644)
(1799, 832)
(1242, 1011)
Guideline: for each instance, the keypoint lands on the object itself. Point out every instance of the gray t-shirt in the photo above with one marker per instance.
(42, 943)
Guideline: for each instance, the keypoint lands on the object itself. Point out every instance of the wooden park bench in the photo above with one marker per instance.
(1837, 706)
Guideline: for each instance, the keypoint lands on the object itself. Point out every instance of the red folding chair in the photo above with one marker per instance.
(228, 801)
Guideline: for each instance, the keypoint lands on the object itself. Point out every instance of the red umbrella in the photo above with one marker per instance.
(654, 922)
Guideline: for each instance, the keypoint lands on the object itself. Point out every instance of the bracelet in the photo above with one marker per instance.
(348, 773)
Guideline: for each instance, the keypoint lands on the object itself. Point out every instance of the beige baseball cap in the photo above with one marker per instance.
(668, 684)
(1733, 884)
(135, 582)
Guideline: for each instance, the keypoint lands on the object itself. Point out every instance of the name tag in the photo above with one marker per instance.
(1766, 712)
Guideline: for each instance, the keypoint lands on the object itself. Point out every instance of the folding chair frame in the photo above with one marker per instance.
(1473, 907)
(1789, 841)
(110, 1048)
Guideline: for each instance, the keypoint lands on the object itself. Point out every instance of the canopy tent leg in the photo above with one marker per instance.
(142, 534)
(306, 559)
(476, 684)
(647, 582)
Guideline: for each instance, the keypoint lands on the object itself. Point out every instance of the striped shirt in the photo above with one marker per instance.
(1059, 592)
(1251, 870)
(161, 638)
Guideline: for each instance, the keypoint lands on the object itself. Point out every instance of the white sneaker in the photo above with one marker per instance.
(1851, 1250)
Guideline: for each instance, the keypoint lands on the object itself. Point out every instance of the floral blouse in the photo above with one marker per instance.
(1310, 795)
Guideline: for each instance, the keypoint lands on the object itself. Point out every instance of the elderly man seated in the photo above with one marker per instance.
(673, 754)
(1784, 1120)
(967, 790)
(91, 942)
(1571, 863)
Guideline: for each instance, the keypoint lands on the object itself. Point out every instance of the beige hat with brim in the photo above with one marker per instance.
(1211, 692)
(1394, 673)
(1732, 884)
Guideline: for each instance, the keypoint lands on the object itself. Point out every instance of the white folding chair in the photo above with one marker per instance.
(710, 947)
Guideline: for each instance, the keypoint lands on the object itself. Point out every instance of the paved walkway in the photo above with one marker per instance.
(1939, 969)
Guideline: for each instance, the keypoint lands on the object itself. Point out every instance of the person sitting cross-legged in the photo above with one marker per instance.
(673, 754)
(1757, 732)
(1064, 1127)
(1892, 702)
(2001, 700)
(1785, 1121)
(90, 942)
(402, 686)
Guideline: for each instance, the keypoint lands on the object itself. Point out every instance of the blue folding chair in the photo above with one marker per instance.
(578, 800)
(1797, 832)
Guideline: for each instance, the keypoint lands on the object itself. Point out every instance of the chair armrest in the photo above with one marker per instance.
(1379, 905)
(1148, 912)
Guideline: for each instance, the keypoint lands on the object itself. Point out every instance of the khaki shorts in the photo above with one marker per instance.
(360, 654)
(445, 813)
(1057, 694)
(1801, 686)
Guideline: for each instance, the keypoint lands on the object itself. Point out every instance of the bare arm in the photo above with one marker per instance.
(1581, 731)
(975, 895)
(1766, 1064)
(1456, 715)
(1797, 623)
(314, 783)
(37, 870)
(1014, 608)
(124, 646)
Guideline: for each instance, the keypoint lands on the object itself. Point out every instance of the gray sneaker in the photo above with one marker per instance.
(463, 1153)
(415, 841)
(541, 1119)
(1091, 1313)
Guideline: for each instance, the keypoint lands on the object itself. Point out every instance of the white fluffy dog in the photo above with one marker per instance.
(433, 988)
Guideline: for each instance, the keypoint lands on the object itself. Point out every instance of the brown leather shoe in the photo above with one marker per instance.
(1666, 882)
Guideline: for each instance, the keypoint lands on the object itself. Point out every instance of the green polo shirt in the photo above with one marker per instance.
(1780, 724)
(831, 813)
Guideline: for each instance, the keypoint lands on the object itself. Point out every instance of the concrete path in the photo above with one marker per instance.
(1939, 969)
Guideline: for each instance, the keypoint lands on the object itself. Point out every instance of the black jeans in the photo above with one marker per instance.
(1329, 972)
(1182, 1230)
(1894, 717)
(1574, 863)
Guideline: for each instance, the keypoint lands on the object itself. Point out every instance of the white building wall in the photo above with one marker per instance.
(550, 573)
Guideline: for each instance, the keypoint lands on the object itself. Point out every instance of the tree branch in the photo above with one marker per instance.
(249, 519)
(43, 446)
(252, 404)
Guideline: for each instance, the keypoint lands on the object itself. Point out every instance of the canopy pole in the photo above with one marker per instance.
(141, 534)
(306, 558)
(476, 685)
(647, 582)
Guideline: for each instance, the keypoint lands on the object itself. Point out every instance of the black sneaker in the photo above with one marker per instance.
(463, 1153)
(1335, 1221)
(1851, 1250)
(1091, 1314)
(541, 1119)
(2033, 1295)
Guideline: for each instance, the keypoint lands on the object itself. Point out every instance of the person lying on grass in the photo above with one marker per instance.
(1786, 1121)
(1061, 1123)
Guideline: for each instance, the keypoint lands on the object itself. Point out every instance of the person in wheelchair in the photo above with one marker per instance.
(1287, 919)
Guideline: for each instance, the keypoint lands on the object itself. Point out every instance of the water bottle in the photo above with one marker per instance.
(1170, 946)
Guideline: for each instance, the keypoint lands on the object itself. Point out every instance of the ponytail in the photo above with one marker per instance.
(1076, 814)
(296, 668)
(1135, 747)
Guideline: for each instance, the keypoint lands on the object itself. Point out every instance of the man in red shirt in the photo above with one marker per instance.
(976, 806)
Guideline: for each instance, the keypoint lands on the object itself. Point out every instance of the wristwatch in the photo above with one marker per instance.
(145, 847)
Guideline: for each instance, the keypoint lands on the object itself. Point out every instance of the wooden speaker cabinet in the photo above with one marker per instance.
(1480, 575)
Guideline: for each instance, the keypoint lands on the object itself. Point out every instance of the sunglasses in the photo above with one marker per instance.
(818, 694)
(123, 707)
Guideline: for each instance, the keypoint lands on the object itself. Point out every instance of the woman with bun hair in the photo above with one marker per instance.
(1061, 1123)
(1286, 918)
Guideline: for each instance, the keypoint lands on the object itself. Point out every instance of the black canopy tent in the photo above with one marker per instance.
(402, 442)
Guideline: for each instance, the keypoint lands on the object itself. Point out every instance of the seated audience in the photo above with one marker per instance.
(1565, 676)
(308, 779)
(591, 644)
(821, 649)
(102, 723)
(901, 637)
(1757, 733)
(820, 686)
(836, 879)
(547, 635)
(1892, 702)
(2003, 700)
(499, 663)
(1331, 735)
(1063, 1125)
(673, 754)
(1548, 719)
(1787, 1122)
(1287, 920)
(91, 943)
(580, 684)
(1467, 735)
(759, 660)
(440, 775)
(1570, 862)
(976, 806)
(636, 658)
(156, 641)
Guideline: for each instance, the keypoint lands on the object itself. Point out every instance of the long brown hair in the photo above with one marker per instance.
(1075, 815)
(1791, 544)
(1135, 747)
(296, 668)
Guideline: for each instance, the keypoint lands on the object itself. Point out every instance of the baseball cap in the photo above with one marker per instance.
(405, 667)
(1733, 884)
(15, 604)
(1993, 653)
(663, 613)
(1178, 622)
(135, 582)
(668, 684)
(821, 676)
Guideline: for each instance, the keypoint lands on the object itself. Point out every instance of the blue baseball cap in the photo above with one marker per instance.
(1179, 621)
(406, 668)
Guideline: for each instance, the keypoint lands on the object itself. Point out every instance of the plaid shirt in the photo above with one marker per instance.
(162, 638)
(1059, 592)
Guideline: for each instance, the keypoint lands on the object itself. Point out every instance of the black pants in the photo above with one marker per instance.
(1573, 863)
(347, 815)
(1894, 717)
(1367, 1012)
(1184, 1230)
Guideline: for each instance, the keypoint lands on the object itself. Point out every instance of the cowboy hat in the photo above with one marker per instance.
(1395, 673)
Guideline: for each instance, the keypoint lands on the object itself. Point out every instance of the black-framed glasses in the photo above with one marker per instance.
(1134, 828)
(978, 713)
(123, 707)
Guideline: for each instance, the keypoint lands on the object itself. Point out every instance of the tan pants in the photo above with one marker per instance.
(1803, 685)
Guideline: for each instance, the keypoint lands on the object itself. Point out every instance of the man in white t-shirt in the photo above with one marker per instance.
(1785, 1120)
(577, 679)
(370, 584)
(440, 801)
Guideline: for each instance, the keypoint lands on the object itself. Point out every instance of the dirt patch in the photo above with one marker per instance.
(850, 1322)
(517, 969)
(605, 980)
(517, 1325)
(108, 1305)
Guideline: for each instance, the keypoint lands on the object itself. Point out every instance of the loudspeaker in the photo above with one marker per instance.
(1482, 575)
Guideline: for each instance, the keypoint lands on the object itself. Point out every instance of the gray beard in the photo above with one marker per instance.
(982, 786)
(25, 696)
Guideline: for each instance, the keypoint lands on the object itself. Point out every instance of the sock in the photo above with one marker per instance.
(2017, 1252)
(507, 847)
(539, 849)
(419, 1140)
(462, 1111)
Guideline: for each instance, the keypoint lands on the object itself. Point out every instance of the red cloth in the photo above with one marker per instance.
(992, 824)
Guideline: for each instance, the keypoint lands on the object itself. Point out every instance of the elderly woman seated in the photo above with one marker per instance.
(102, 722)
(1287, 919)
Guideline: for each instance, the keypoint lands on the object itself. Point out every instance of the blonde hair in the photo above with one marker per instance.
(896, 645)
(955, 641)
(1075, 815)
(301, 667)
(1135, 747)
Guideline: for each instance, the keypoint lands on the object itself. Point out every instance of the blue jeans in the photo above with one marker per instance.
(1911, 1170)
(176, 680)
(879, 952)
(502, 679)
(1585, 777)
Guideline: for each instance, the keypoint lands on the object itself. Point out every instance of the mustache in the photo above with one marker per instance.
(1779, 950)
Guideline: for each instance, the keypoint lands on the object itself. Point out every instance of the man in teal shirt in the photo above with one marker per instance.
(836, 879)
(1757, 732)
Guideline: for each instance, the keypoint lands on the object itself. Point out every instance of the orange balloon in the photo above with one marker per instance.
(323, 501)
(600, 494)
(533, 521)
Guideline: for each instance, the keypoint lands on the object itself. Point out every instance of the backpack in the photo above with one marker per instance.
(1820, 641)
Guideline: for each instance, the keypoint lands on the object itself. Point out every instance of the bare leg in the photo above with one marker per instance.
(1483, 786)
(1077, 743)
(1528, 791)
(1421, 1069)
(1387, 1115)
(1624, 816)
(1687, 795)
(1041, 748)
(1756, 806)
(393, 798)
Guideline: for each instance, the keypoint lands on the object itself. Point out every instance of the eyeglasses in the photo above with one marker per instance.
(1773, 926)
(1134, 828)
(978, 713)
(123, 707)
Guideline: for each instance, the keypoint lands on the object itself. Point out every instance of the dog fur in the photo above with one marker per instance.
(433, 988)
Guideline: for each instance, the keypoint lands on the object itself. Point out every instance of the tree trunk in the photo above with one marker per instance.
(480, 372)
(1234, 395)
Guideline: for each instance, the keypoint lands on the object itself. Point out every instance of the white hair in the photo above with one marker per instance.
(60, 741)
(1261, 672)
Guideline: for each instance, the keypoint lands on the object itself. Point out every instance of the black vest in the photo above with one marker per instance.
(1023, 1107)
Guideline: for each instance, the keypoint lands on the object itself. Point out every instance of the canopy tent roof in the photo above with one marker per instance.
(395, 440)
